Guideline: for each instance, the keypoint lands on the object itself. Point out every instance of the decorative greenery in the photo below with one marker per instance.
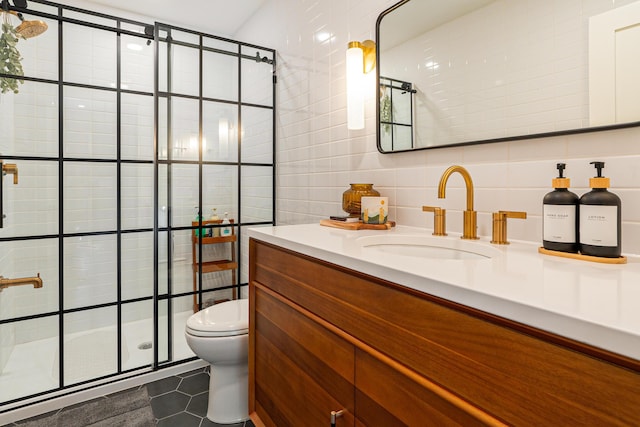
(10, 58)
(385, 112)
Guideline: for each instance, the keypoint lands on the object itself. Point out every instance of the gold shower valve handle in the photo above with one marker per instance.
(11, 168)
(499, 234)
(439, 219)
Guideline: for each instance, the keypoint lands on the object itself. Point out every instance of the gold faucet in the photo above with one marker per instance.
(499, 233)
(470, 216)
(35, 281)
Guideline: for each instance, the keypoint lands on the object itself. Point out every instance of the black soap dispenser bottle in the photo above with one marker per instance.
(560, 216)
(600, 219)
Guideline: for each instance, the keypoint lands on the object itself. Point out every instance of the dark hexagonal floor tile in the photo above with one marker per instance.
(199, 404)
(169, 404)
(180, 420)
(195, 384)
(190, 373)
(162, 386)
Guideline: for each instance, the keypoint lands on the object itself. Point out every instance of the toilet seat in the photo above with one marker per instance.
(226, 319)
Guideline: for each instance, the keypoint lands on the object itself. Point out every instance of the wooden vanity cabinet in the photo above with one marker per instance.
(323, 338)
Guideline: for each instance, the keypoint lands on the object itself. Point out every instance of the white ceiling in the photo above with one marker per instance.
(220, 17)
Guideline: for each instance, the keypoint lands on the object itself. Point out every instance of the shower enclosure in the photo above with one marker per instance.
(122, 134)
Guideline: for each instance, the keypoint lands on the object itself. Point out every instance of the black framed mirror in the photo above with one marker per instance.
(466, 72)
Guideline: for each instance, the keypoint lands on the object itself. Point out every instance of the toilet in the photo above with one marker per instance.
(219, 335)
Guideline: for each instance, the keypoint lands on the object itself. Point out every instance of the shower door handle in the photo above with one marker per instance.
(1, 206)
(11, 168)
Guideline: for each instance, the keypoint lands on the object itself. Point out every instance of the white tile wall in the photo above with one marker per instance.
(318, 157)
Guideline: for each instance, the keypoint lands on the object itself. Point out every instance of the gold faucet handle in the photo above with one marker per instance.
(439, 219)
(11, 168)
(499, 234)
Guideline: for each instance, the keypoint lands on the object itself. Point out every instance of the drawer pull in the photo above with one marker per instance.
(335, 415)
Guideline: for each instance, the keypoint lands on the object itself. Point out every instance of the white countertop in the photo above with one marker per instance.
(590, 302)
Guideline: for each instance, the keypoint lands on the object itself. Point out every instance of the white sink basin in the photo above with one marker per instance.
(426, 246)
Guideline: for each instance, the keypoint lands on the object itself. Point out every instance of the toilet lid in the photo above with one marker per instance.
(224, 319)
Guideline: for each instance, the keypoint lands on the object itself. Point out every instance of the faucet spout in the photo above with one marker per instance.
(467, 181)
(470, 216)
(6, 283)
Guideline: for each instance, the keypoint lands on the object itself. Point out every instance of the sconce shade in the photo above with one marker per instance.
(361, 59)
(355, 86)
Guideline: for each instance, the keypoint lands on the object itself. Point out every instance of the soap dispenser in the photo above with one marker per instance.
(199, 232)
(215, 232)
(226, 231)
(560, 216)
(600, 219)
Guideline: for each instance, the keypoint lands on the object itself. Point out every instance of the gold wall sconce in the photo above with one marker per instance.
(360, 60)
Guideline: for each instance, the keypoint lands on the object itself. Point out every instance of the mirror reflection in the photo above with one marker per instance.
(474, 71)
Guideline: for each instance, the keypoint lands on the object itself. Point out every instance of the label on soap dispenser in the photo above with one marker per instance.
(559, 223)
(599, 225)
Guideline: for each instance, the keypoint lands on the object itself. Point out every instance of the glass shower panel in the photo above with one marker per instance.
(217, 44)
(31, 207)
(163, 129)
(137, 335)
(220, 131)
(90, 195)
(90, 123)
(136, 196)
(185, 70)
(163, 331)
(136, 127)
(257, 194)
(185, 127)
(27, 258)
(100, 20)
(164, 243)
(30, 120)
(137, 265)
(184, 194)
(28, 361)
(90, 345)
(256, 82)
(40, 54)
(220, 190)
(89, 55)
(180, 310)
(90, 270)
(137, 62)
(219, 76)
(257, 135)
(163, 196)
(181, 265)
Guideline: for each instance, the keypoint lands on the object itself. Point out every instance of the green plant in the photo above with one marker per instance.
(10, 59)
(385, 112)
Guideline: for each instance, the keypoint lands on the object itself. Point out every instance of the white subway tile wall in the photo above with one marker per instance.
(318, 157)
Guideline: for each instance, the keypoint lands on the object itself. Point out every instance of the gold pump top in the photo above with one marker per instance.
(599, 182)
(561, 182)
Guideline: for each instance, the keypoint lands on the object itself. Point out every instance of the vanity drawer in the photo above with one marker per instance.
(517, 374)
